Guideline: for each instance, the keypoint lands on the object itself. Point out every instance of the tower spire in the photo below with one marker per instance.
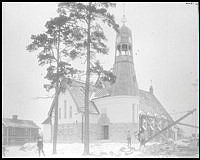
(151, 88)
(124, 18)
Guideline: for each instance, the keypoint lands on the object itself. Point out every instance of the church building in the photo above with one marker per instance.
(114, 109)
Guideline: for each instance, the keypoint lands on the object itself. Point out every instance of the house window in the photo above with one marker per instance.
(65, 109)
(11, 131)
(27, 131)
(70, 112)
(59, 113)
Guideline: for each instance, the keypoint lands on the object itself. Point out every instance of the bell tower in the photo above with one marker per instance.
(126, 83)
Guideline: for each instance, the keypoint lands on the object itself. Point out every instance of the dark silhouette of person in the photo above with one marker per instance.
(129, 139)
(141, 137)
(40, 145)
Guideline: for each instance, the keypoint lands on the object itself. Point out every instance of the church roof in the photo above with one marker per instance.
(124, 30)
(76, 89)
(78, 95)
(148, 102)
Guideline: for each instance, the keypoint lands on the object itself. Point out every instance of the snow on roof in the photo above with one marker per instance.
(19, 123)
(76, 89)
(149, 103)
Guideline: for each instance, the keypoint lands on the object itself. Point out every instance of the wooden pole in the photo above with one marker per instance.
(82, 129)
(7, 134)
(188, 125)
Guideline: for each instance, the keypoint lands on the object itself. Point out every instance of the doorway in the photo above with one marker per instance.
(105, 132)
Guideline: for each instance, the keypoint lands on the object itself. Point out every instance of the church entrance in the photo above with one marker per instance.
(105, 131)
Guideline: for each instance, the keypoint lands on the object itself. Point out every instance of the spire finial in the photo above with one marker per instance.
(151, 88)
(123, 18)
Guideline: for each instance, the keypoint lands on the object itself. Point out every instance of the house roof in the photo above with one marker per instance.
(76, 89)
(78, 94)
(19, 123)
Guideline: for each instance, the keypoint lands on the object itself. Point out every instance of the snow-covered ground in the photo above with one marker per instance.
(76, 150)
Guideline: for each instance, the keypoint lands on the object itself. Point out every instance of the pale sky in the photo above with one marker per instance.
(165, 37)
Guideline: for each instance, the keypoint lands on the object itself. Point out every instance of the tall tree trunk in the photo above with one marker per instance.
(86, 139)
(55, 121)
(56, 98)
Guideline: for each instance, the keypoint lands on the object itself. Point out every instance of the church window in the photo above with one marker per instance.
(124, 47)
(70, 112)
(133, 113)
(59, 113)
(105, 132)
(65, 109)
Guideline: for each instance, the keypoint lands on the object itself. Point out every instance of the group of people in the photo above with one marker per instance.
(140, 137)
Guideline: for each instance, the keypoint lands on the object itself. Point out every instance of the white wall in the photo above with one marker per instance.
(70, 102)
(75, 115)
(119, 108)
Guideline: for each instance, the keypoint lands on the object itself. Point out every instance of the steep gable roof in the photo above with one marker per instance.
(76, 90)
(19, 123)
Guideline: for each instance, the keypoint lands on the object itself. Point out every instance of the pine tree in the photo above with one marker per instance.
(88, 17)
(59, 42)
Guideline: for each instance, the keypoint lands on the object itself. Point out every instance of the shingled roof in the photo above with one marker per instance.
(76, 89)
(150, 104)
(19, 123)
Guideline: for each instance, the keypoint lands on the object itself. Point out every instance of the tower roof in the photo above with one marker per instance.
(124, 30)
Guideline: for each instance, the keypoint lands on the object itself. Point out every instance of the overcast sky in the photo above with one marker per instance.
(165, 38)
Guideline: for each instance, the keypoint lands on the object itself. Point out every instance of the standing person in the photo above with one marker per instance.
(40, 145)
(129, 139)
(142, 138)
(4, 150)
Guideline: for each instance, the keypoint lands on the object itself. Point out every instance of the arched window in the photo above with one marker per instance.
(59, 113)
(70, 112)
(65, 109)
